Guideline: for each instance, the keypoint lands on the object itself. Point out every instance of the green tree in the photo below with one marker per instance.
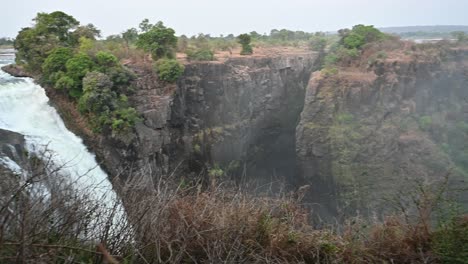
(32, 48)
(97, 96)
(130, 36)
(34, 44)
(145, 25)
(106, 59)
(124, 119)
(57, 23)
(88, 31)
(168, 70)
(244, 40)
(160, 41)
(56, 62)
(359, 36)
(77, 67)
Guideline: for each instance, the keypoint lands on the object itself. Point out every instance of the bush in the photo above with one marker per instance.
(106, 59)
(159, 40)
(124, 119)
(200, 54)
(56, 61)
(244, 40)
(97, 96)
(169, 70)
(361, 35)
(450, 243)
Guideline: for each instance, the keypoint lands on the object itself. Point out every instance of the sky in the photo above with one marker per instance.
(217, 17)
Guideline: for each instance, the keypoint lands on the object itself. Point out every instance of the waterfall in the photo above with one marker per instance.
(25, 109)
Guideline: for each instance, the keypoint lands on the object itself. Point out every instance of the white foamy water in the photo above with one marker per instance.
(24, 109)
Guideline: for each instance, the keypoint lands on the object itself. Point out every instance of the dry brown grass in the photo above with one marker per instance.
(172, 223)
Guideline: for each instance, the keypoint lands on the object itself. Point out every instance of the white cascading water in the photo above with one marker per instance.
(24, 109)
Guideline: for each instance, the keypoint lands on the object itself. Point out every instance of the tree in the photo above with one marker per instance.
(168, 70)
(244, 40)
(89, 31)
(359, 36)
(77, 68)
(97, 96)
(145, 25)
(57, 23)
(106, 60)
(160, 41)
(130, 36)
(50, 31)
(56, 62)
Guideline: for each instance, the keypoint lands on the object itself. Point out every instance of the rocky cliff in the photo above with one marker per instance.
(369, 133)
(358, 137)
(233, 118)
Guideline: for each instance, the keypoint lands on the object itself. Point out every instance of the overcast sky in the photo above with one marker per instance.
(238, 16)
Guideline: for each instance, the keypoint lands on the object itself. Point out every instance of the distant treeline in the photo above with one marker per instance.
(6, 41)
(427, 32)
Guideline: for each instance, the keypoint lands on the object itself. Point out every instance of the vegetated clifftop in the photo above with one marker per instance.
(368, 132)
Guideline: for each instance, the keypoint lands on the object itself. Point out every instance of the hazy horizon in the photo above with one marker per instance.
(215, 17)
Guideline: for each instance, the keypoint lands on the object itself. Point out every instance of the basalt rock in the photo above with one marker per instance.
(372, 135)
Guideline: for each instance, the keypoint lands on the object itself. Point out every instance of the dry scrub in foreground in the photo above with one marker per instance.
(171, 224)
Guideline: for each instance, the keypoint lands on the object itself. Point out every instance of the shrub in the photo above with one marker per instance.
(450, 242)
(56, 61)
(244, 40)
(124, 120)
(97, 96)
(200, 54)
(106, 59)
(361, 35)
(159, 40)
(318, 43)
(169, 70)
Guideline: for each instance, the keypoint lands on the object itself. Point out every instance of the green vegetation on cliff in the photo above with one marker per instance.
(66, 57)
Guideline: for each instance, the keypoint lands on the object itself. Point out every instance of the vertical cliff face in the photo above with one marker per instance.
(367, 134)
(241, 115)
(238, 116)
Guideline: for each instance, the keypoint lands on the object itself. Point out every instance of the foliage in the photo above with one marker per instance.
(159, 40)
(32, 48)
(168, 70)
(86, 45)
(100, 99)
(6, 41)
(106, 60)
(88, 31)
(450, 242)
(77, 67)
(34, 44)
(145, 25)
(130, 36)
(318, 43)
(200, 54)
(361, 35)
(56, 62)
(244, 40)
(56, 23)
(70, 59)
(124, 119)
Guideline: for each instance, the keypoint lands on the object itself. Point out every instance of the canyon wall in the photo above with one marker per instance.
(371, 135)
(235, 118)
